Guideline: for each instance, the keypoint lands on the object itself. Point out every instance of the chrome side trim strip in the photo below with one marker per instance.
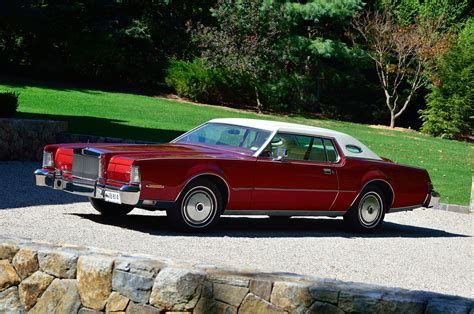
(292, 190)
(367, 183)
(402, 209)
(242, 189)
(314, 213)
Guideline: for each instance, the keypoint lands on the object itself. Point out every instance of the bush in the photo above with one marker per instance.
(450, 111)
(8, 104)
(192, 80)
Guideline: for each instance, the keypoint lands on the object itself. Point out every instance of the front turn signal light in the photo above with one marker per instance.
(48, 160)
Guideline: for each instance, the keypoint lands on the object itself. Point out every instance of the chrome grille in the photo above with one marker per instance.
(85, 166)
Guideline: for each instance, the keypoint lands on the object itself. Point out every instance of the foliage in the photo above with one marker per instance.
(451, 12)
(191, 80)
(450, 111)
(449, 163)
(126, 42)
(8, 103)
(290, 56)
(315, 54)
(244, 40)
(402, 55)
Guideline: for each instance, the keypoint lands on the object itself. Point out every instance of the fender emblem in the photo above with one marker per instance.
(155, 186)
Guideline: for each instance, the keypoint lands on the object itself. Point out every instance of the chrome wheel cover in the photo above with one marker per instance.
(198, 207)
(370, 209)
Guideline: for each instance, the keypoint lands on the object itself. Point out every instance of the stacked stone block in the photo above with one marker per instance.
(43, 278)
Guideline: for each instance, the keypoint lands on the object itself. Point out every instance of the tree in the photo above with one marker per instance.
(403, 55)
(450, 106)
(315, 54)
(244, 40)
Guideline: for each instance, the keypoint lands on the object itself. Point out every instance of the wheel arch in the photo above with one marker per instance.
(385, 186)
(219, 181)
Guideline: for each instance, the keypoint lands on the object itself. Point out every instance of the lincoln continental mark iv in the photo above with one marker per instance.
(243, 167)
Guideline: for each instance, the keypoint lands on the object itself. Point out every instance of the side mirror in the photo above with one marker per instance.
(280, 153)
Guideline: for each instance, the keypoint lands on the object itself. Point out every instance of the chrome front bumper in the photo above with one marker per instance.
(432, 199)
(129, 194)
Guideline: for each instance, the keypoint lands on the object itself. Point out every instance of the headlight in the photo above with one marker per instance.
(48, 161)
(135, 177)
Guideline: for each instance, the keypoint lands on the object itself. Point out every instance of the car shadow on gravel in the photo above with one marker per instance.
(267, 227)
(21, 191)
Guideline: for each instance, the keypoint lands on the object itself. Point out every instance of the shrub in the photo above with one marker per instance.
(8, 104)
(192, 80)
(450, 111)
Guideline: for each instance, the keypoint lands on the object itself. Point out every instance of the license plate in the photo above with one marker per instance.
(113, 197)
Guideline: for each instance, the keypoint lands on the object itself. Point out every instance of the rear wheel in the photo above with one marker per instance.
(198, 207)
(368, 211)
(110, 209)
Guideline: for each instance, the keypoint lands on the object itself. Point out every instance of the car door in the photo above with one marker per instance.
(305, 180)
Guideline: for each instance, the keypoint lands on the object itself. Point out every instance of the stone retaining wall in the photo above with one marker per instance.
(44, 278)
(23, 139)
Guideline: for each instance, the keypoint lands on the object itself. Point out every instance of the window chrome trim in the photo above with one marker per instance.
(265, 144)
(186, 133)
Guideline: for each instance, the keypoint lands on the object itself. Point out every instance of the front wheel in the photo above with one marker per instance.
(110, 209)
(198, 207)
(367, 213)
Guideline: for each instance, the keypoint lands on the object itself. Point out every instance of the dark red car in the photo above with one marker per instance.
(243, 167)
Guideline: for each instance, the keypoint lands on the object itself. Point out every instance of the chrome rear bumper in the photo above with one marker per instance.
(129, 194)
(432, 199)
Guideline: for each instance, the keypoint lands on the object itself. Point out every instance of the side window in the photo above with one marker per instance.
(295, 145)
(330, 150)
(317, 152)
(300, 147)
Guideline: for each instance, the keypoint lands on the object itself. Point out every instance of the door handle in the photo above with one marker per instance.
(327, 171)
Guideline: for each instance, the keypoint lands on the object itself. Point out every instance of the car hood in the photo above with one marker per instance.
(170, 150)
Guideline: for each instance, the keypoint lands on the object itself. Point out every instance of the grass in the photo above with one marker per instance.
(450, 163)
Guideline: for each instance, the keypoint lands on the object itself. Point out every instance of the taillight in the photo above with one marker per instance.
(48, 159)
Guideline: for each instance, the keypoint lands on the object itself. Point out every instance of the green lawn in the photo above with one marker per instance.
(450, 163)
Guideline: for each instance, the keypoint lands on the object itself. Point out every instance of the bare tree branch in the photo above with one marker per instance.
(402, 55)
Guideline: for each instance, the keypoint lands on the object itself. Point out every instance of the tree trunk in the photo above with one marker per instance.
(392, 119)
(259, 104)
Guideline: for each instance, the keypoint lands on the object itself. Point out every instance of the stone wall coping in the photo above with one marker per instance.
(96, 279)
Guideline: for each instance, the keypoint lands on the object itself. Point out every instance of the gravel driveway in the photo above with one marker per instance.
(424, 249)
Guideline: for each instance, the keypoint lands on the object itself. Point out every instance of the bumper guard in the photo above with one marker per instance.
(129, 194)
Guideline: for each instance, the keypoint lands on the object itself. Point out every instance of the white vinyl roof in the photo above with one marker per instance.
(342, 139)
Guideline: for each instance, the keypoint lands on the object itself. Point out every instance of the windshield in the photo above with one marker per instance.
(241, 137)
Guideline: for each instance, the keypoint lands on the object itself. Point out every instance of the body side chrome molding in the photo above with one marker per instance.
(367, 183)
(292, 190)
(314, 213)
